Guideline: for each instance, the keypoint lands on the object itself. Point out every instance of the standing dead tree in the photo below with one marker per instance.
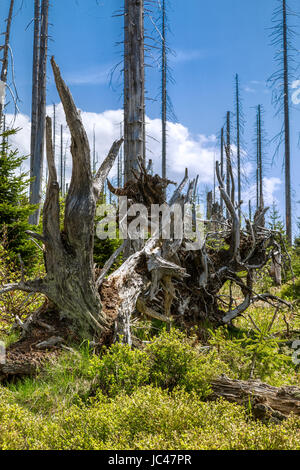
(134, 86)
(167, 112)
(239, 128)
(5, 47)
(38, 104)
(282, 36)
(164, 68)
(222, 164)
(35, 84)
(260, 190)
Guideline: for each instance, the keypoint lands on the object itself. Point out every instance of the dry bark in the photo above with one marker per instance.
(70, 279)
(4, 68)
(134, 86)
(265, 400)
(39, 100)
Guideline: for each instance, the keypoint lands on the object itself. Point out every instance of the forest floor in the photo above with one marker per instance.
(157, 397)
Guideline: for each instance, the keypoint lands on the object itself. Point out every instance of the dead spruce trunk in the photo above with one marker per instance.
(70, 279)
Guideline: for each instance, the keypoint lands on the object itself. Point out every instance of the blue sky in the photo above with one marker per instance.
(212, 41)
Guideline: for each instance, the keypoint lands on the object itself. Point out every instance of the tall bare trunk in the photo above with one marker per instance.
(35, 86)
(238, 144)
(164, 93)
(228, 153)
(222, 166)
(134, 86)
(39, 144)
(260, 159)
(288, 201)
(4, 68)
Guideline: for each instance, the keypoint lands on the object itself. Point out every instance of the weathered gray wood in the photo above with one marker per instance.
(266, 401)
(53, 342)
(134, 86)
(4, 68)
(35, 85)
(39, 144)
(70, 279)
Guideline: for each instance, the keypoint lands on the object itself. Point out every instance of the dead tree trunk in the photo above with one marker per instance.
(4, 68)
(70, 279)
(164, 93)
(39, 140)
(260, 159)
(266, 401)
(238, 143)
(222, 165)
(35, 86)
(288, 197)
(134, 86)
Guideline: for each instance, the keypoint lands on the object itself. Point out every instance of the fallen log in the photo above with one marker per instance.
(264, 400)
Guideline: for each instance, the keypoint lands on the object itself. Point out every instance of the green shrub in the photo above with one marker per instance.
(17, 303)
(121, 369)
(255, 355)
(14, 206)
(169, 361)
(175, 363)
(150, 418)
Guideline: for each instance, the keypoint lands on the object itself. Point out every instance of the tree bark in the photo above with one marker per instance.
(265, 401)
(70, 279)
(288, 197)
(35, 87)
(134, 86)
(238, 143)
(164, 92)
(39, 141)
(4, 69)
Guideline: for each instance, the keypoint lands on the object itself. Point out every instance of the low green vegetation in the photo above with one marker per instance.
(157, 398)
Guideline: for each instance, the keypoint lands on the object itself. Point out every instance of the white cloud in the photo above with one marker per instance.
(271, 186)
(184, 150)
(197, 153)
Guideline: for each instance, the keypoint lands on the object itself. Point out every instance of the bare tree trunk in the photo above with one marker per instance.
(228, 155)
(238, 143)
(222, 166)
(39, 144)
(288, 199)
(70, 279)
(260, 159)
(257, 165)
(164, 93)
(4, 68)
(35, 86)
(209, 205)
(134, 86)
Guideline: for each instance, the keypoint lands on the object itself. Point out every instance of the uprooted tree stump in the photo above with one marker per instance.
(164, 280)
